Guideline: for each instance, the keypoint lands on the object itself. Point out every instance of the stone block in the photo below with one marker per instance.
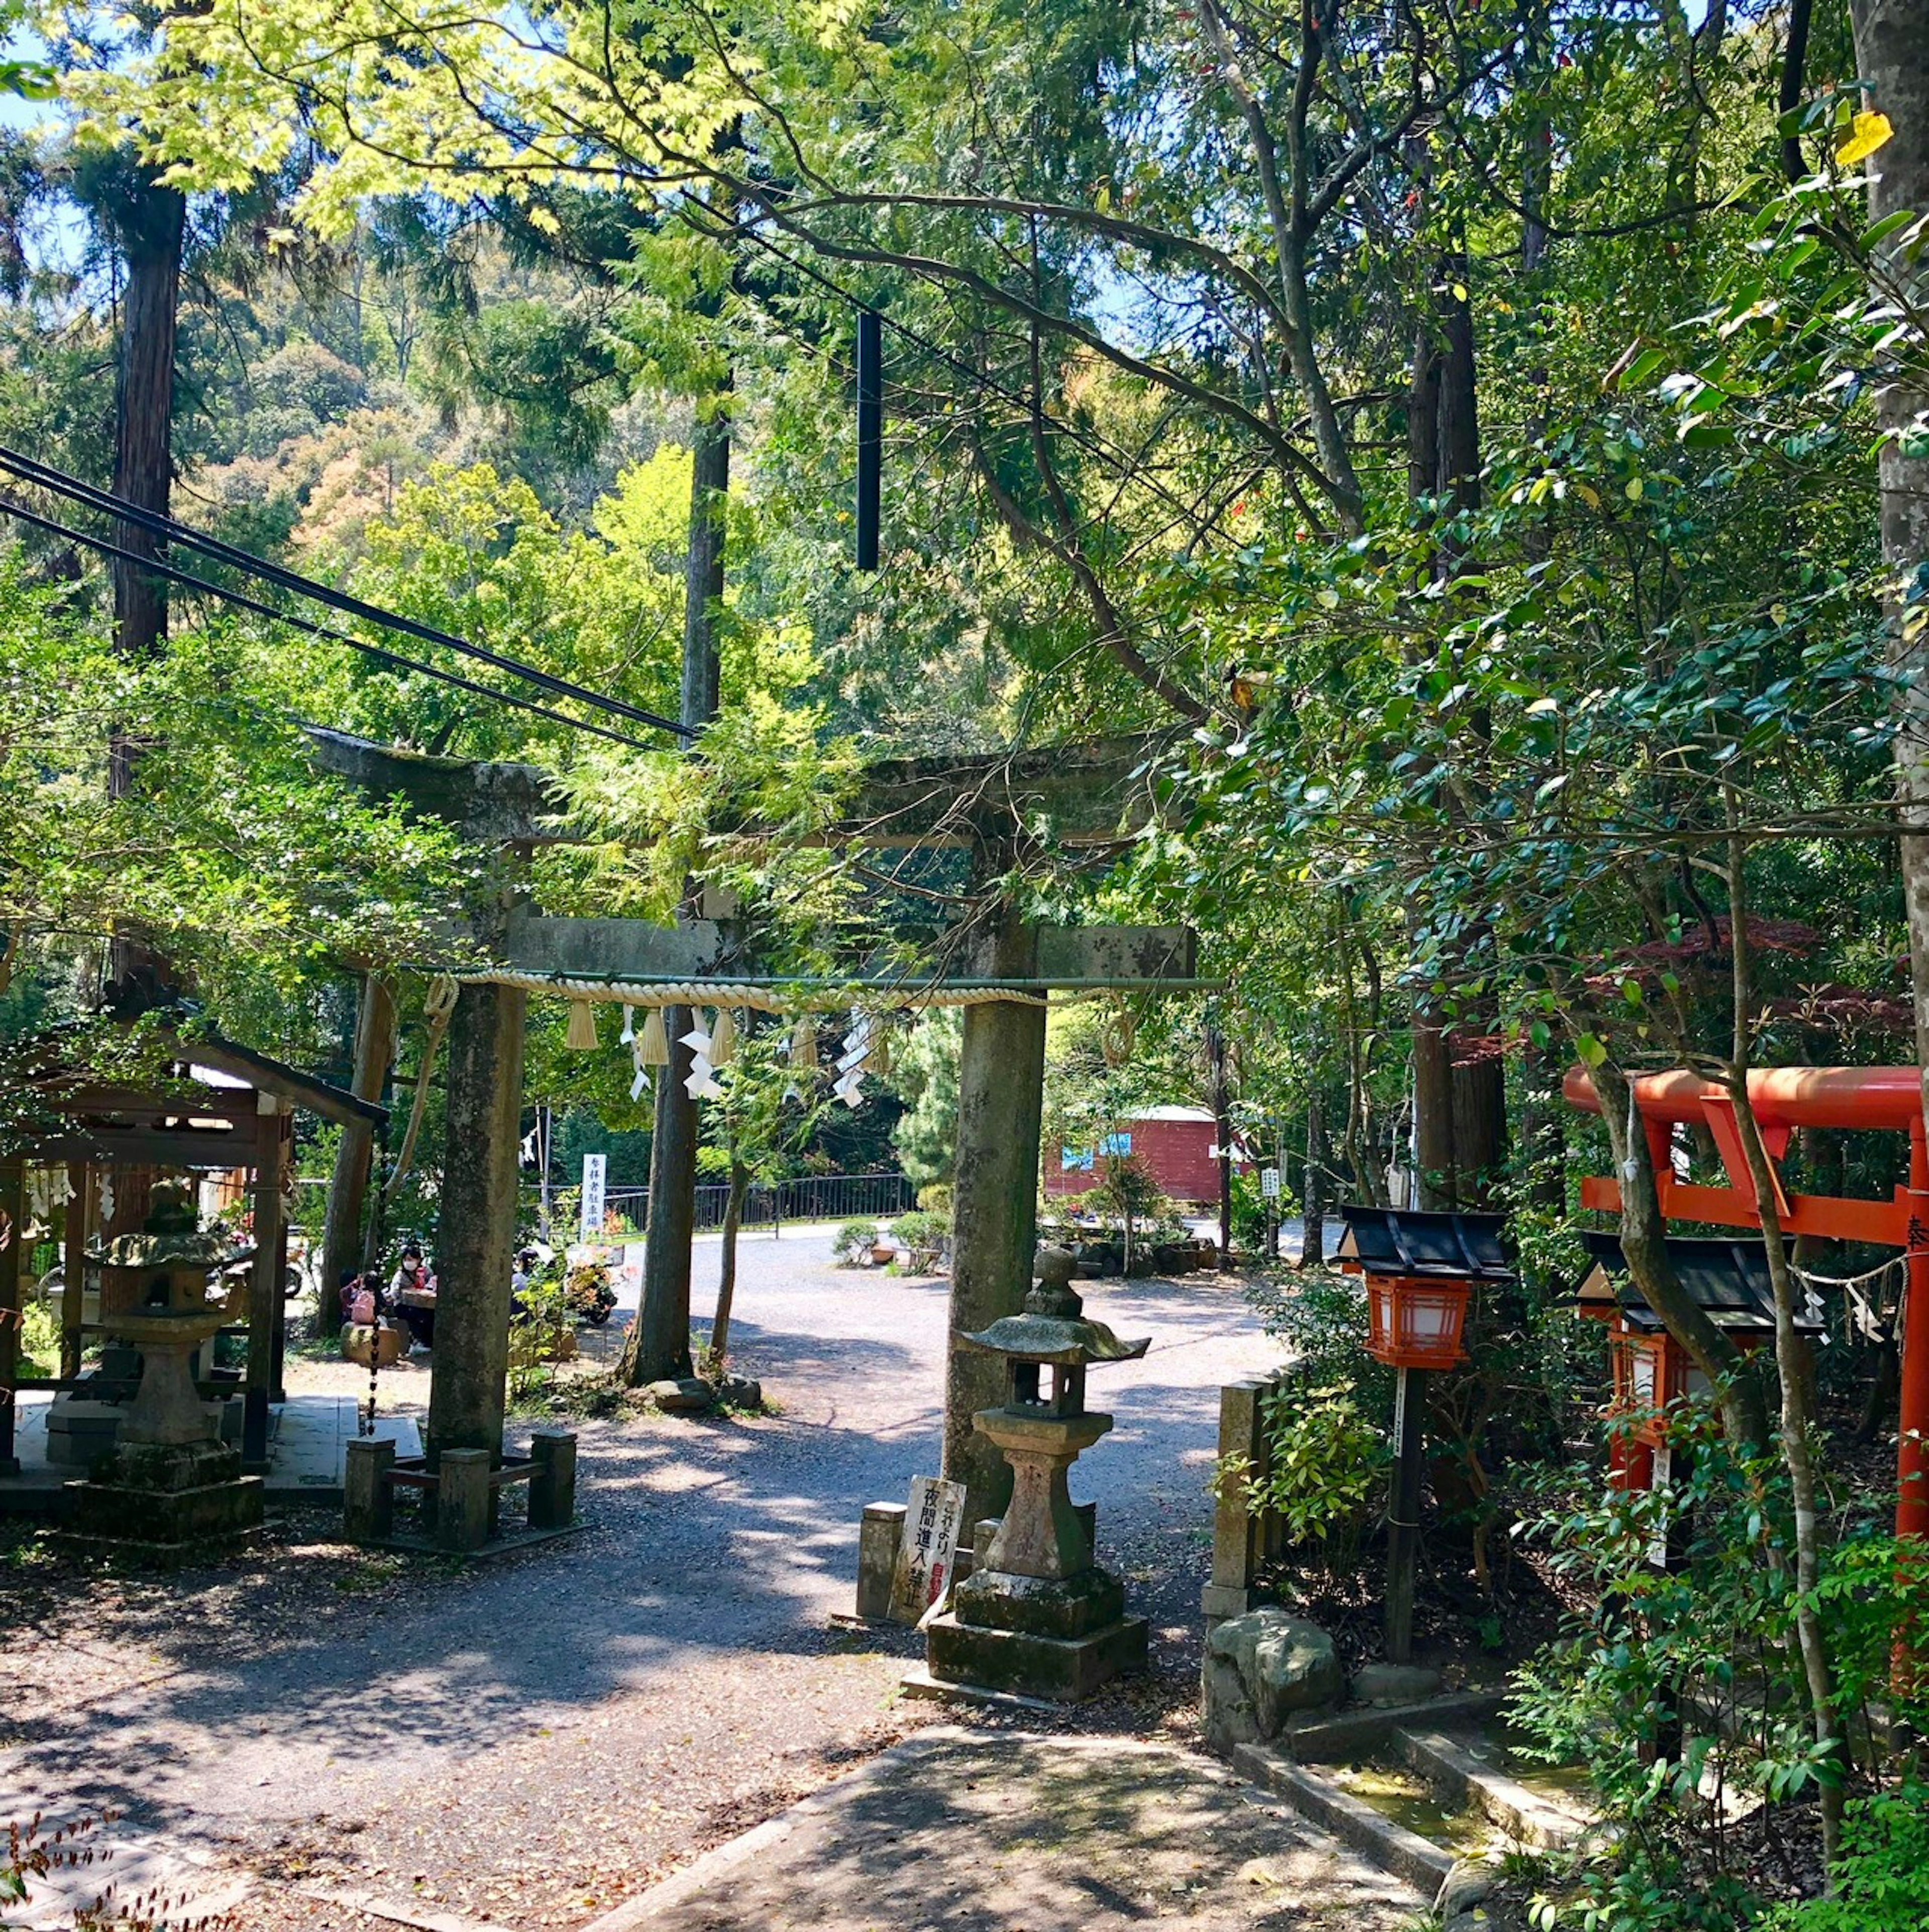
(368, 1502)
(552, 1503)
(465, 1499)
(1384, 1684)
(1261, 1669)
(1053, 1607)
(1065, 1670)
(1218, 1601)
(879, 1535)
(168, 1498)
(80, 1433)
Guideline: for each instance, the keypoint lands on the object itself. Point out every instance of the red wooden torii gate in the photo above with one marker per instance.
(1784, 1098)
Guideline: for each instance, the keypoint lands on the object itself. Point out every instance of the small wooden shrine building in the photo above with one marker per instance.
(188, 1105)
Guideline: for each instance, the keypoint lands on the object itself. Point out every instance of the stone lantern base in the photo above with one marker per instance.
(1057, 1637)
(168, 1498)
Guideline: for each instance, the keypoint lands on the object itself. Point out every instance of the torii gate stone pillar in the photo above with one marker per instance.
(994, 1206)
(476, 1238)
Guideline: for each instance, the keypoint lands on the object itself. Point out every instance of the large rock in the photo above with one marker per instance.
(687, 1395)
(1260, 1670)
(1470, 1882)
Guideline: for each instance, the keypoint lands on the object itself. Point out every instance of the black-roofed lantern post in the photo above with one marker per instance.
(1728, 1280)
(1420, 1269)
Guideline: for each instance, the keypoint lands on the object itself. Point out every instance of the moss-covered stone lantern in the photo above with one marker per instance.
(170, 1482)
(1038, 1616)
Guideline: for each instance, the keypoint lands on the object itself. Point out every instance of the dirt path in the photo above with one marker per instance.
(528, 1742)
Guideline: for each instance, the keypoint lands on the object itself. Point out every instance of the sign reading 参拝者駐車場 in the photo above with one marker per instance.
(933, 1520)
(594, 1167)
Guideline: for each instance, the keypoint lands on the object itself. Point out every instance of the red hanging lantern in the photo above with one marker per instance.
(1415, 1321)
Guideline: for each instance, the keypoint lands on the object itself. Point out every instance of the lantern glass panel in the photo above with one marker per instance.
(1644, 1365)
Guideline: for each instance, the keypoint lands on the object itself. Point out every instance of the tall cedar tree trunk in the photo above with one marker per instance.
(1798, 1419)
(1460, 1110)
(150, 223)
(718, 1354)
(1892, 58)
(659, 1344)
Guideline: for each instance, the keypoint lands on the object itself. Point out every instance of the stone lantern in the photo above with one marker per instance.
(1038, 1616)
(170, 1482)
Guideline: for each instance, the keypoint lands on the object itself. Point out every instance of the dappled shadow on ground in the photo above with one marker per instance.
(990, 1834)
(716, 1543)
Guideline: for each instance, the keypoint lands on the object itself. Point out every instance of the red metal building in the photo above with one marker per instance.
(1178, 1144)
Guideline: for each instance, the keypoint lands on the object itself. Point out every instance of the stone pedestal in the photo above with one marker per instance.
(168, 1498)
(1037, 1615)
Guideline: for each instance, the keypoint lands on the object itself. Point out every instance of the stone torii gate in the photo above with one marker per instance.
(990, 808)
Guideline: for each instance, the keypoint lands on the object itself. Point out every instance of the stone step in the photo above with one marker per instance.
(1420, 1862)
(1465, 1780)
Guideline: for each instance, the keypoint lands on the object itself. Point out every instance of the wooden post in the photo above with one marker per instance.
(1000, 1098)
(341, 1230)
(477, 1231)
(13, 1243)
(74, 1269)
(264, 1284)
(1403, 1516)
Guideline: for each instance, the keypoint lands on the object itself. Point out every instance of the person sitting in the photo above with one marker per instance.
(410, 1273)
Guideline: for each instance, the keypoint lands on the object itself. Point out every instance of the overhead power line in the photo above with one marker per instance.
(392, 659)
(171, 530)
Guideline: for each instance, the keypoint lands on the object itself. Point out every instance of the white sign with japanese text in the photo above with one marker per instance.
(933, 1521)
(594, 1167)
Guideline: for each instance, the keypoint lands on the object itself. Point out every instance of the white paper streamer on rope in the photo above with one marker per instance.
(849, 1084)
(628, 1033)
(640, 1085)
(106, 1198)
(701, 1082)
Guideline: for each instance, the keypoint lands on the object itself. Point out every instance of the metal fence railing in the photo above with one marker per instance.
(815, 1197)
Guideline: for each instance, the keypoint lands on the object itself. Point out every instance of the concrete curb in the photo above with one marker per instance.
(397, 1912)
(1420, 1862)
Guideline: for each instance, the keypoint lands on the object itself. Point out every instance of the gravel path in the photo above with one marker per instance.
(529, 1740)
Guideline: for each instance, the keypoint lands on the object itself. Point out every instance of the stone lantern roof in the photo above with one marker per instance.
(1053, 1328)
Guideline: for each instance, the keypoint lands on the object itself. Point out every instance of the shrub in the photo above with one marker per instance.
(1881, 1879)
(854, 1238)
(922, 1232)
(39, 1341)
(936, 1199)
(1326, 1472)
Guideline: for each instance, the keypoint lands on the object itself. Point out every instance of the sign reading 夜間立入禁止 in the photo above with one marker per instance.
(594, 1167)
(932, 1522)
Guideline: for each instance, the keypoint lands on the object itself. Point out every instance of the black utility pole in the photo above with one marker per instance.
(870, 433)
